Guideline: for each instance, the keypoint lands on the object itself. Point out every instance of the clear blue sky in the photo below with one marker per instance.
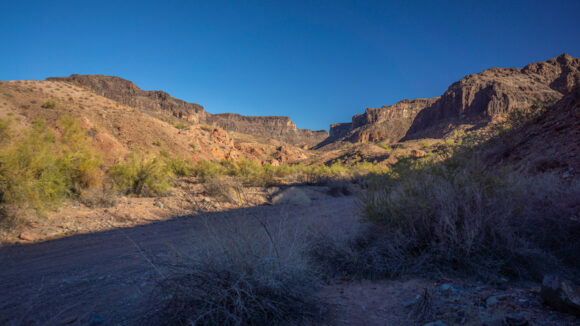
(318, 62)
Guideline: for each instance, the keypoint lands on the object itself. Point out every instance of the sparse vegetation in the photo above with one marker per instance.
(142, 175)
(249, 272)
(193, 147)
(38, 172)
(460, 216)
(207, 128)
(385, 147)
(51, 104)
(179, 125)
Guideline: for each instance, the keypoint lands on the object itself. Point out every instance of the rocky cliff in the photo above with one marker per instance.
(158, 102)
(476, 98)
(127, 93)
(276, 127)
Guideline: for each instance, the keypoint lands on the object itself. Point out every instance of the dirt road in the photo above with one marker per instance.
(108, 276)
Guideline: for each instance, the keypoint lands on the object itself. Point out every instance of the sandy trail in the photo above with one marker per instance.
(111, 274)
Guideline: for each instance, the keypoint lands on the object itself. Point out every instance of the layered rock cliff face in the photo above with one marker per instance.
(276, 127)
(158, 102)
(476, 98)
(127, 93)
(389, 122)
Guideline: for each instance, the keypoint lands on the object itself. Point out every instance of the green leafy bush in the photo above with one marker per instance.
(30, 173)
(142, 176)
(180, 167)
(39, 170)
(79, 160)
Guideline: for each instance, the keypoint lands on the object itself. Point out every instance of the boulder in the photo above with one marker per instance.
(29, 236)
(292, 196)
(561, 294)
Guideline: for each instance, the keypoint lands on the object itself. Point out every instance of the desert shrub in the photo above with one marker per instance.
(30, 173)
(10, 217)
(157, 143)
(207, 128)
(142, 176)
(50, 104)
(208, 169)
(459, 217)
(193, 147)
(38, 170)
(78, 159)
(104, 195)
(180, 167)
(228, 189)
(5, 130)
(251, 172)
(385, 147)
(248, 272)
(179, 125)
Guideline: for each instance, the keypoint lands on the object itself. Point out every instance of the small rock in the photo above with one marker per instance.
(96, 320)
(491, 301)
(28, 236)
(515, 319)
(445, 286)
(68, 320)
(158, 203)
(561, 294)
(292, 196)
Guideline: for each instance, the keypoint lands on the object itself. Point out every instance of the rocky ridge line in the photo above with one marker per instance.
(474, 99)
(159, 102)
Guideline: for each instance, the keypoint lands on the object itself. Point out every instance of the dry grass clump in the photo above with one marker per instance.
(250, 272)
(228, 189)
(103, 196)
(50, 104)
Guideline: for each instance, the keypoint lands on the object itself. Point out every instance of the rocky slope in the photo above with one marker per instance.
(551, 143)
(118, 129)
(475, 99)
(161, 103)
(127, 93)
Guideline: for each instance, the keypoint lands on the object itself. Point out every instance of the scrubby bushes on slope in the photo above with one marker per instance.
(461, 216)
(142, 175)
(37, 171)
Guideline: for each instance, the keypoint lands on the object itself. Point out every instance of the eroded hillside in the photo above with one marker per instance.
(474, 100)
(162, 104)
(118, 129)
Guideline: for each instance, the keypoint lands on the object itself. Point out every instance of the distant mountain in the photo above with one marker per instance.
(475, 99)
(158, 102)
